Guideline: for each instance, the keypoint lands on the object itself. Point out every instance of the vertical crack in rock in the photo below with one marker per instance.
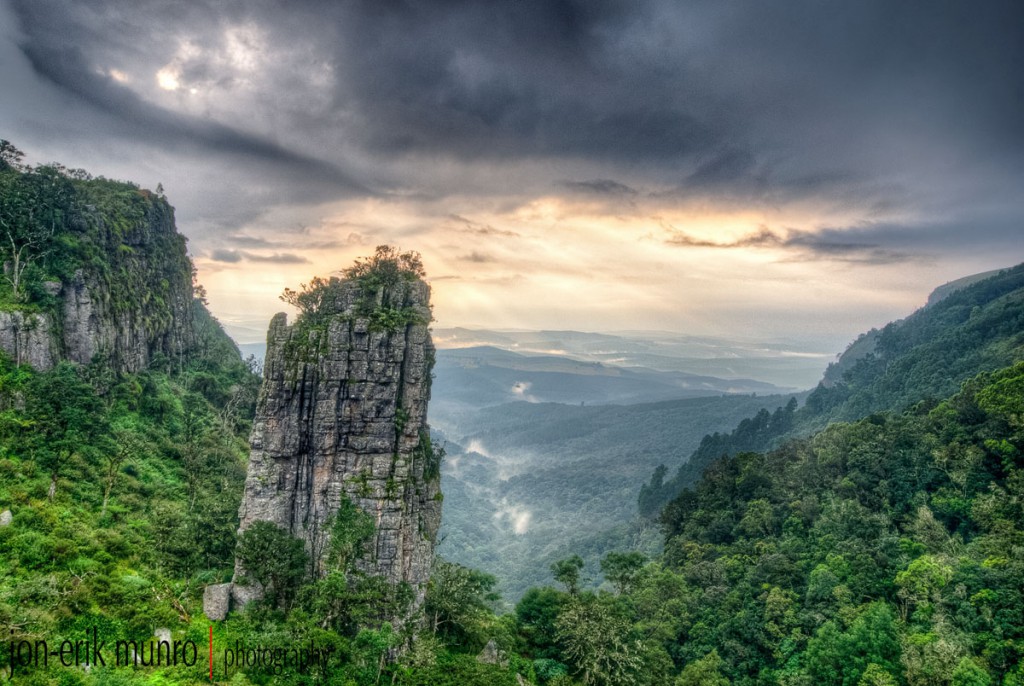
(342, 412)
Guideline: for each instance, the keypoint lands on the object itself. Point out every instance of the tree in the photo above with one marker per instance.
(315, 299)
(457, 600)
(703, 672)
(352, 527)
(567, 572)
(127, 444)
(33, 205)
(536, 614)
(970, 673)
(835, 657)
(64, 417)
(596, 643)
(921, 582)
(876, 676)
(274, 559)
(10, 156)
(621, 569)
(387, 266)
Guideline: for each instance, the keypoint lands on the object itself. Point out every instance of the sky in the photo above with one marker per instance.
(802, 171)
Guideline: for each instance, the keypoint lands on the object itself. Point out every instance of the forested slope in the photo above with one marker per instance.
(927, 355)
(883, 552)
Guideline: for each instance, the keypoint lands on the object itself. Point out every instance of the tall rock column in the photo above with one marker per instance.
(342, 414)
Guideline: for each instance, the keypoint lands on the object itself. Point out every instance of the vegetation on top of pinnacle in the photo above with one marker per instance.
(927, 355)
(377, 279)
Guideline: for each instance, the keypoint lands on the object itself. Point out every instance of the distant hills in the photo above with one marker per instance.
(550, 433)
(757, 366)
(485, 375)
(543, 477)
(783, 363)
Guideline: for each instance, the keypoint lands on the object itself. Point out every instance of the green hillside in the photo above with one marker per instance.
(927, 355)
(121, 476)
(120, 488)
(884, 551)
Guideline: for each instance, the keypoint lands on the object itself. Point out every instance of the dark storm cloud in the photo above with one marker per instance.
(833, 245)
(599, 187)
(67, 68)
(751, 96)
(228, 256)
(477, 257)
(235, 256)
(761, 101)
(724, 168)
(246, 241)
(464, 225)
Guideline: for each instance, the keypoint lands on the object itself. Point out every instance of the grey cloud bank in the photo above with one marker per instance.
(907, 117)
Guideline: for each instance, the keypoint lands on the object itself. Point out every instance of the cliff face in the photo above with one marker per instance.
(127, 299)
(342, 414)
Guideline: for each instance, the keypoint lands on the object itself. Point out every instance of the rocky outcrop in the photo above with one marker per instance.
(28, 338)
(342, 414)
(128, 304)
(217, 601)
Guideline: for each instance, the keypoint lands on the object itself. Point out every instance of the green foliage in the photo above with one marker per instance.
(536, 614)
(839, 657)
(391, 319)
(567, 573)
(351, 528)
(124, 543)
(431, 456)
(595, 641)
(10, 156)
(868, 552)
(61, 419)
(274, 559)
(379, 282)
(316, 299)
(458, 670)
(622, 569)
(580, 468)
(58, 225)
(457, 603)
(970, 673)
(388, 266)
(703, 672)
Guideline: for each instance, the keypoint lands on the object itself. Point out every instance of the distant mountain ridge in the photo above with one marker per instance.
(865, 343)
(783, 363)
(484, 376)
